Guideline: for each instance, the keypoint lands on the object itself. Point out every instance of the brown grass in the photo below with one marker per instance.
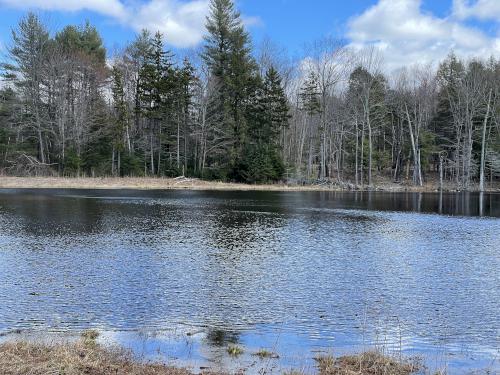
(368, 363)
(143, 183)
(264, 353)
(87, 357)
(80, 358)
(149, 183)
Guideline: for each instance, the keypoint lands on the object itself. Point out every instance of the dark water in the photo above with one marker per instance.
(179, 275)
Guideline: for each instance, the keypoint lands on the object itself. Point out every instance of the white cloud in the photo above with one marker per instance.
(406, 35)
(252, 21)
(481, 9)
(181, 22)
(112, 8)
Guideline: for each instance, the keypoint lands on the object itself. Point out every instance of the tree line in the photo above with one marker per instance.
(238, 113)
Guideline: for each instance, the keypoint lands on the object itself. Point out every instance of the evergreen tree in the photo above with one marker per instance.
(120, 117)
(185, 79)
(136, 55)
(79, 75)
(310, 96)
(228, 55)
(156, 94)
(29, 58)
(83, 40)
(268, 114)
(276, 104)
(9, 116)
(96, 157)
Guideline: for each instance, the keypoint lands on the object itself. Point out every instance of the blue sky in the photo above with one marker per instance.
(415, 30)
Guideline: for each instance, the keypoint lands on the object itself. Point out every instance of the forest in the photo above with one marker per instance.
(237, 112)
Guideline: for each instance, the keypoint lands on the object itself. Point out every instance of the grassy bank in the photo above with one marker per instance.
(146, 183)
(85, 356)
(141, 183)
(80, 358)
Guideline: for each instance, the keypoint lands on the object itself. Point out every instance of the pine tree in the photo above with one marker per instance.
(29, 57)
(120, 119)
(79, 75)
(309, 95)
(82, 40)
(228, 55)
(185, 78)
(9, 115)
(156, 95)
(268, 113)
(276, 107)
(136, 55)
(153, 78)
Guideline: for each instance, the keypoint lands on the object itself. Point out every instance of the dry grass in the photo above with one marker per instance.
(264, 353)
(90, 335)
(369, 363)
(142, 183)
(80, 358)
(86, 357)
(148, 183)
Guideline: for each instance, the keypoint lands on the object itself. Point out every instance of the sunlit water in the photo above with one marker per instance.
(179, 275)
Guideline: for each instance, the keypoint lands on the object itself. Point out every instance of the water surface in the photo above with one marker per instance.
(179, 275)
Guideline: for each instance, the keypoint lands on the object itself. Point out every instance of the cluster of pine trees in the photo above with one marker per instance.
(236, 113)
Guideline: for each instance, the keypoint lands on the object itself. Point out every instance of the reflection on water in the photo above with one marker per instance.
(294, 271)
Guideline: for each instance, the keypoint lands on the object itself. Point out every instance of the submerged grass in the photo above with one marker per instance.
(263, 353)
(234, 350)
(368, 363)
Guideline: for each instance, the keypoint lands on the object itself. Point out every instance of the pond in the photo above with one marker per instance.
(180, 275)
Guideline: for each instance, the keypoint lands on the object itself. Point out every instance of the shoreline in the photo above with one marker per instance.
(182, 183)
(87, 354)
(100, 352)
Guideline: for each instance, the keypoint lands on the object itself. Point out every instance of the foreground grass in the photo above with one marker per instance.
(87, 357)
(80, 358)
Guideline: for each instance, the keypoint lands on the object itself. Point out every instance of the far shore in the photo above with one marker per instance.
(185, 183)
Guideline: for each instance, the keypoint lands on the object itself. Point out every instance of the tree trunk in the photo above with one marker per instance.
(152, 155)
(118, 170)
(356, 153)
(178, 144)
(113, 161)
(127, 135)
(483, 145)
(417, 174)
(361, 170)
(441, 172)
(370, 150)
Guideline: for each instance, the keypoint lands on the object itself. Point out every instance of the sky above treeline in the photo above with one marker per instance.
(405, 31)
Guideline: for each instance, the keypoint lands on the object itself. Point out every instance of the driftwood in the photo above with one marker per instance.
(182, 179)
(28, 165)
